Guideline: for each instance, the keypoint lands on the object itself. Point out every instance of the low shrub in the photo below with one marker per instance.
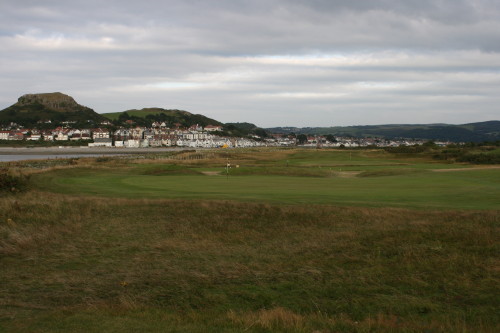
(13, 182)
(481, 158)
(406, 149)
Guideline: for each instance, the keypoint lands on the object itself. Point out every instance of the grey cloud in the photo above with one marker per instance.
(293, 62)
(236, 27)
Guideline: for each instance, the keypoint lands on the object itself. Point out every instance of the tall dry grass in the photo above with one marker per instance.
(280, 319)
(256, 266)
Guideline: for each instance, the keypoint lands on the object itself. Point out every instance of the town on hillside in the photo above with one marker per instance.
(58, 118)
(196, 136)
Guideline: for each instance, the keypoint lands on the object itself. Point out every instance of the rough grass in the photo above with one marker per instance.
(85, 264)
(13, 181)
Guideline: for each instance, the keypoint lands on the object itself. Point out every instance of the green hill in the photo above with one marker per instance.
(33, 109)
(144, 112)
(148, 115)
(245, 129)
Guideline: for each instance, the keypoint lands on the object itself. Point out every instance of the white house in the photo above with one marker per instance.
(34, 137)
(61, 136)
(101, 142)
(213, 128)
(132, 143)
(4, 135)
(100, 133)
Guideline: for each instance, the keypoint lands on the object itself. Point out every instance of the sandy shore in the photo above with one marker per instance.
(83, 150)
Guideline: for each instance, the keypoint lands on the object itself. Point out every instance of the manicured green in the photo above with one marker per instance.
(474, 189)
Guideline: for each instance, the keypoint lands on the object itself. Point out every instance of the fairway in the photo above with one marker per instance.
(475, 189)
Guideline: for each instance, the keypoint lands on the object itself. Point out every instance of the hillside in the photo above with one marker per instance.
(245, 129)
(148, 115)
(473, 132)
(144, 112)
(31, 109)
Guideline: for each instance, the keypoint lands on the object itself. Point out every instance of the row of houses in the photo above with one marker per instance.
(214, 142)
(196, 136)
(159, 135)
(348, 142)
(162, 136)
(58, 134)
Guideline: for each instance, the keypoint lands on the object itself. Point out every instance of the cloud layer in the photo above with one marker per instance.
(279, 63)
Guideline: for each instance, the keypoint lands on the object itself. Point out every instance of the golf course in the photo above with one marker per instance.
(250, 240)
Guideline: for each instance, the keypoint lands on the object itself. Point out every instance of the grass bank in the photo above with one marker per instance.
(83, 264)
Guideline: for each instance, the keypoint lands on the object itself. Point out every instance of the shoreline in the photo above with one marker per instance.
(84, 150)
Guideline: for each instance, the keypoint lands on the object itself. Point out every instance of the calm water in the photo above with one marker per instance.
(11, 158)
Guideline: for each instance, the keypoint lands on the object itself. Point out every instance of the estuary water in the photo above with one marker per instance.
(11, 154)
(13, 158)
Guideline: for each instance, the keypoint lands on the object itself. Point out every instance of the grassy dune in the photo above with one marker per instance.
(161, 245)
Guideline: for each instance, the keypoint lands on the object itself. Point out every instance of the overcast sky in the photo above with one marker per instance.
(269, 62)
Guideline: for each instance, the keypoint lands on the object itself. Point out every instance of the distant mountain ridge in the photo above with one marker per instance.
(472, 132)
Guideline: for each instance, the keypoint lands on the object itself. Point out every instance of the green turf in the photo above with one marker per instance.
(477, 189)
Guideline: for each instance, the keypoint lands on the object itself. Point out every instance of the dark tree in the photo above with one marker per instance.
(301, 139)
(331, 138)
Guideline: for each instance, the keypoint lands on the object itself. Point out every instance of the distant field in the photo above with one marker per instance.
(290, 241)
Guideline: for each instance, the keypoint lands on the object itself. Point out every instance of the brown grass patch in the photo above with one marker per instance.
(276, 318)
(306, 268)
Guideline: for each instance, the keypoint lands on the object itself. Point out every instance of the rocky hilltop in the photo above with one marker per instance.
(56, 101)
(54, 108)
